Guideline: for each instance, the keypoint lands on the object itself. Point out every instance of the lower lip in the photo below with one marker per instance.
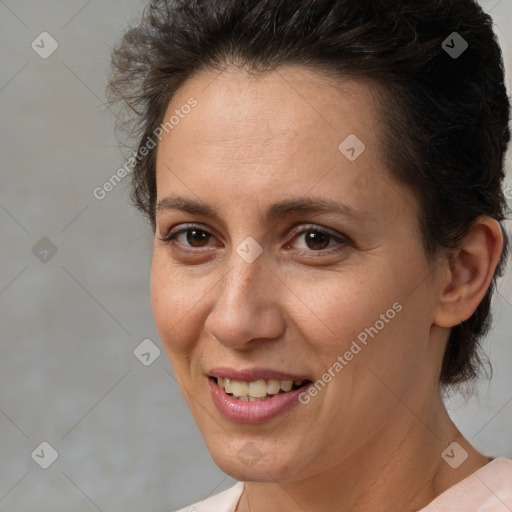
(240, 411)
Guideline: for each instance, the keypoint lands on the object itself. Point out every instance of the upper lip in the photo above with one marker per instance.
(253, 374)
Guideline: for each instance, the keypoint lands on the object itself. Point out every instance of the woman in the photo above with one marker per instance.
(323, 179)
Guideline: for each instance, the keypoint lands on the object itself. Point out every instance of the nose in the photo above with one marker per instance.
(246, 309)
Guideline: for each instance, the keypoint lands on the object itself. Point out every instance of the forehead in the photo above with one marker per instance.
(237, 108)
(260, 136)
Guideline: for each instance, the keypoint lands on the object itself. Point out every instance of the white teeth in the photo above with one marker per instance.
(273, 386)
(256, 390)
(239, 388)
(286, 385)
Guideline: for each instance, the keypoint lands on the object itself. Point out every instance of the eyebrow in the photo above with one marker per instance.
(275, 211)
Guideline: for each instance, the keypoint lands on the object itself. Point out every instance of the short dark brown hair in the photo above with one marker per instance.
(445, 116)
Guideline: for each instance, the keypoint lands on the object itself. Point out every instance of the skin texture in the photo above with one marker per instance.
(372, 438)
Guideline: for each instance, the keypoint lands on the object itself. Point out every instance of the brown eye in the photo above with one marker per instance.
(316, 240)
(194, 237)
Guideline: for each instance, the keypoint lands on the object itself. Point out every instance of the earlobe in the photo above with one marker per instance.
(469, 272)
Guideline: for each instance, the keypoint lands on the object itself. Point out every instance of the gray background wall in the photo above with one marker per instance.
(71, 320)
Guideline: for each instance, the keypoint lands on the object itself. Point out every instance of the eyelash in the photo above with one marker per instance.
(342, 240)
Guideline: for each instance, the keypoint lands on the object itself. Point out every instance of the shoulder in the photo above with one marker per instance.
(487, 490)
(223, 502)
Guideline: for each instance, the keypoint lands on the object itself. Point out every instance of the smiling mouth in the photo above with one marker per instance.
(258, 390)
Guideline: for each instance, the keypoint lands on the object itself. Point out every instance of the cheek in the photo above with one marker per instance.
(340, 309)
(370, 317)
(172, 301)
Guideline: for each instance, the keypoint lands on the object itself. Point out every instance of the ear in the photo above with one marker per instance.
(469, 272)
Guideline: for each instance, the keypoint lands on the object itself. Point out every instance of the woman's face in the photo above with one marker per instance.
(256, 291)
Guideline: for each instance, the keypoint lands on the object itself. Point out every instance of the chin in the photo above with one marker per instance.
(246, 463)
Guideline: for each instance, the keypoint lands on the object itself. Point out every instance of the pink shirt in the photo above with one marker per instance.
(487, 490)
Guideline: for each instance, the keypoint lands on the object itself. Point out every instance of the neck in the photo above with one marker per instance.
(399, 468)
